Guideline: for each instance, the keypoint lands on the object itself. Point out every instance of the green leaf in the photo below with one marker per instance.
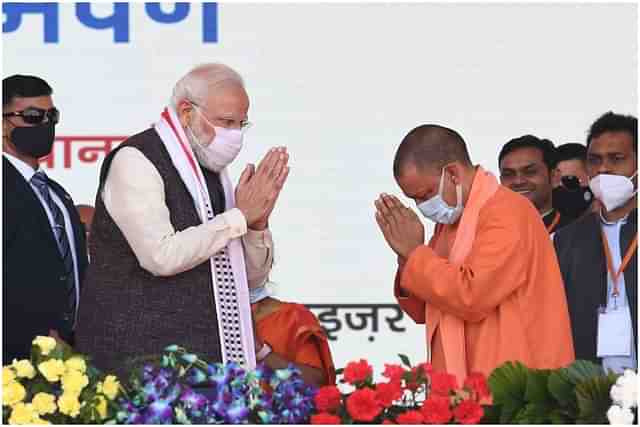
(582, 370)
(339, 371)
(594, 400)
(405, 360)
(534, 413)
(508, 384)
(537, 391)
(562, 388)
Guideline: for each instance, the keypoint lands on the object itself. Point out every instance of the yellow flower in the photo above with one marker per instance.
(76, 364)
(69, 404)
(22, 414)
(44, 403)
(38, 420)
(24, 368)
(52, 369)
(13, 393)
(74, 382)
(46, 344)
(101, 407)
(111, 387)
(8, 376)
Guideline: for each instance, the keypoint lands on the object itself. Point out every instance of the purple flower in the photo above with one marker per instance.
(159, 412)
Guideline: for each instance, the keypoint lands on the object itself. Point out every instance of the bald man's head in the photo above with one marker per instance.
(430, 147)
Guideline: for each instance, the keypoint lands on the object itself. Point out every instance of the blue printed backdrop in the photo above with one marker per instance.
(339, 85)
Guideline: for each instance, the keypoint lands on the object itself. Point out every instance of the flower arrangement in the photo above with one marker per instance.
(411, 395)
(56, 386)
(184, 389)
(624, 394)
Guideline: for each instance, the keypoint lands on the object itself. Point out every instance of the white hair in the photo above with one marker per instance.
(198, 83)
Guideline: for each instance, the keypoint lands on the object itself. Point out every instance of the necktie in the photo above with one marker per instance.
(41, 182)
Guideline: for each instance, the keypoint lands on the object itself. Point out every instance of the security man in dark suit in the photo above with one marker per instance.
(43, 240)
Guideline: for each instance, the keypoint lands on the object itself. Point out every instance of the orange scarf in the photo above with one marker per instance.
(452, 328)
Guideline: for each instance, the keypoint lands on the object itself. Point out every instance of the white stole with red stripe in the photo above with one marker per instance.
(177, 144)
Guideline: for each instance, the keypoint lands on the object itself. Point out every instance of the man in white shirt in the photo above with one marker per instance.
(174, 247)
(43, 241)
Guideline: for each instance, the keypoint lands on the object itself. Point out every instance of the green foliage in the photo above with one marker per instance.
(576, 394)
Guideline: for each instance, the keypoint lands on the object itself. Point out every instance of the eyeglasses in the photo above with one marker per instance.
(228, 123)
(35, 116)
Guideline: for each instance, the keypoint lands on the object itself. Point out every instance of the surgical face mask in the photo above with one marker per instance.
(437, 210)
(221, 151)
(613, 191)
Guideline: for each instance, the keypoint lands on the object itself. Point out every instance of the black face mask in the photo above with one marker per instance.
(572, 203)
(34, 141)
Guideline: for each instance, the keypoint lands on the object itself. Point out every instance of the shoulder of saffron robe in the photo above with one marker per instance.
(294, 332)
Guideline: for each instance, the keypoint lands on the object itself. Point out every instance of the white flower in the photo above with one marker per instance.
(618, 415)
(625, 391)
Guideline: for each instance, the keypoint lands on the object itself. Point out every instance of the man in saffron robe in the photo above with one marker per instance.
(487, 285)
(288, 333)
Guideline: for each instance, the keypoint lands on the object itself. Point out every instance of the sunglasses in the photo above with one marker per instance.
(35, 116)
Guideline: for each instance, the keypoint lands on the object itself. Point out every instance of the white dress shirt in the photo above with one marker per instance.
(134, 197)
(27, 172)
(612, 231)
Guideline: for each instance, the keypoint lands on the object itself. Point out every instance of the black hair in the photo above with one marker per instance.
(612, 122)
(545, 146)
(21, 86)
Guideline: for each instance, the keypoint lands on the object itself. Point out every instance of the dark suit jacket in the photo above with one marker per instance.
(33, 285)
(584, 270)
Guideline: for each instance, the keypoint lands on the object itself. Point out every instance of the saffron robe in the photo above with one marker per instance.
(505, 297)
(294, 333)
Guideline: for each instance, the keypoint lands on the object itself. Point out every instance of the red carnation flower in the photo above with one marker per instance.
(324, 418)
(387, 393)
(468, 412)
(478, 383)
(393, 372)
(387, 422)
(410, 417)
(442, 383)
(362, 405)
(435, 410)
(426, 368)
(328, 398)
(357, 371)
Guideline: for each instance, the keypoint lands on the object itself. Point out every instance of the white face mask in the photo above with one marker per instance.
(437, 210)
(613, 191)
(221, 151)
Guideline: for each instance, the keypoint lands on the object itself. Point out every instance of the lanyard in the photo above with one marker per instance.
(555, 222)
(196, 170)
(623, 265)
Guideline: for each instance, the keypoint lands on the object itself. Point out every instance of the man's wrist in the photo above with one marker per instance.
(263, 352)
